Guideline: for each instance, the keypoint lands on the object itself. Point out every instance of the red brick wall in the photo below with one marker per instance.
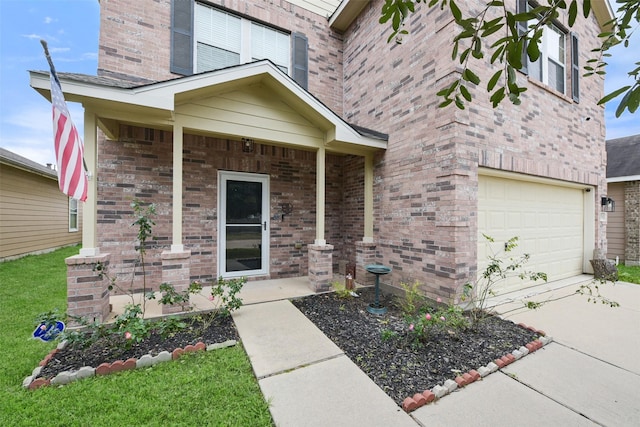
(140, 166)
(426, 182)
(135, 40)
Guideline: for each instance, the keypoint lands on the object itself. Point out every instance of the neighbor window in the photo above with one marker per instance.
(552, 65)
(73, 215)
(206, 38)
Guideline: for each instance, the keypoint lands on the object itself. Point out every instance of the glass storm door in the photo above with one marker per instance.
(244, 236)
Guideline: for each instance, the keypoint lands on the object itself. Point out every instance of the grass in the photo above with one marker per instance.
(213, 388)
(629, 274)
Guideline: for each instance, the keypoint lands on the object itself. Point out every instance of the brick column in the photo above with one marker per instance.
(176, 270)
(632, 222)
(87, 293)
(365, 254)
(320, 267)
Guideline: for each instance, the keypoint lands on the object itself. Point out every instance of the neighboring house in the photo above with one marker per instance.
(623, 183)
(35, 216)
(283, 139)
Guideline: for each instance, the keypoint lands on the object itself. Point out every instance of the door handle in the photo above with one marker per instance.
(264, 224)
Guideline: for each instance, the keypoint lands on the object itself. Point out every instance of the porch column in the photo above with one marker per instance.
(320, 190)
(320, 253)
(90, 207)
(176, 242)
(368, 199)
(176, 264)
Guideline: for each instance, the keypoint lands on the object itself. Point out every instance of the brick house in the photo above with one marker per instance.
(623, 186)
(286, 138)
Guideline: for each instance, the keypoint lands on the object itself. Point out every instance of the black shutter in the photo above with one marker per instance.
(522, 29)
(300, 59)
(575, 68)
(182, 37)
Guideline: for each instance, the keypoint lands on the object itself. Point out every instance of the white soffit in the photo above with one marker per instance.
(321, 7)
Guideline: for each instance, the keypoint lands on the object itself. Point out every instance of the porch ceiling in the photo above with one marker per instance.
(254, 100)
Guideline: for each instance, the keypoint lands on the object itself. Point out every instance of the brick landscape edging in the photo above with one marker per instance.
(418, 400)
(66, 377)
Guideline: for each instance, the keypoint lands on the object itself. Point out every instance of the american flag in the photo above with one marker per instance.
(72, 178)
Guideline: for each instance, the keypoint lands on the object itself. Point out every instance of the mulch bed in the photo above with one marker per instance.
(378, 344)
(400, 368)
(109, 349)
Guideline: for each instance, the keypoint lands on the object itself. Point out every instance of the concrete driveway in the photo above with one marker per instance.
(589, 375)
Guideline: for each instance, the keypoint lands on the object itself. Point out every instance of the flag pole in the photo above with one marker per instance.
(55, 76)
(49, 60)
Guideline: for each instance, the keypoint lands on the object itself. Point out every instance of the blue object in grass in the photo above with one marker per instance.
(48, 332)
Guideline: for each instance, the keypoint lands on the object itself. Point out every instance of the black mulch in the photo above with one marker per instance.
(398, 367)
(110, 349)
(379, 345)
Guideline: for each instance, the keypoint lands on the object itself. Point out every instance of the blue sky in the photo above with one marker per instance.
(71, 29)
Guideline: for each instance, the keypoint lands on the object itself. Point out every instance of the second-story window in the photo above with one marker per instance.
(554, 68)
(223, 39)
(550, 66)
(206, 38)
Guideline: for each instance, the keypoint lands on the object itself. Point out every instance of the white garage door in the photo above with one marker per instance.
(547, 219)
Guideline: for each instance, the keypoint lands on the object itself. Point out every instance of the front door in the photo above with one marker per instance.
(243, 226)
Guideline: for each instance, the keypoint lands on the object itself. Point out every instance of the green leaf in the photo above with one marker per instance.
(445, 103)
(573, 12)
(514, 54)
(623, 104)
(465, 93)
(511, 74)
(477, 48)
(455, 11)
(613, 95)
(533, 51)
(491, 30)
(497, 97)
(464, 55)
(469, 76)
(633, 102)
(494, 80)
(586, 8)
(497, 54)
(459, 103)
(515, 99)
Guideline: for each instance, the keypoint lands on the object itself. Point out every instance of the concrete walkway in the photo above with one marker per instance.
(589, 375)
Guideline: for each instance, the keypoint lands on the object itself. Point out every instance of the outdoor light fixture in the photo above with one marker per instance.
(286, 209)
(607, 204)
(247, 145)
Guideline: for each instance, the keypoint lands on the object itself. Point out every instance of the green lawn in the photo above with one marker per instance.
(215, 388)
(629, 274)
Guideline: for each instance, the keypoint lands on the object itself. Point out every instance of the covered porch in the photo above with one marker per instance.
(241, 109)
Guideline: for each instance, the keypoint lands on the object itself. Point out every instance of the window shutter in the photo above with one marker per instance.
(181, 61)
(522, 29)
(300, 59)
(575, 68)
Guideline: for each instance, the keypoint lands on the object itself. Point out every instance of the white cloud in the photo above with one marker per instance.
(49, 20)
(31, 36)
(28, 130)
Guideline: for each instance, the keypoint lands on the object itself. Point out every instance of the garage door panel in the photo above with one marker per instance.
(547, 219)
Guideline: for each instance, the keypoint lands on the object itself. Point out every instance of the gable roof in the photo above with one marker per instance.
(348, 10)
(623, 159)
(160, 99)
(10, 158)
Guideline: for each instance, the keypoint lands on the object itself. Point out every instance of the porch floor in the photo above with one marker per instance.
(252, 292)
